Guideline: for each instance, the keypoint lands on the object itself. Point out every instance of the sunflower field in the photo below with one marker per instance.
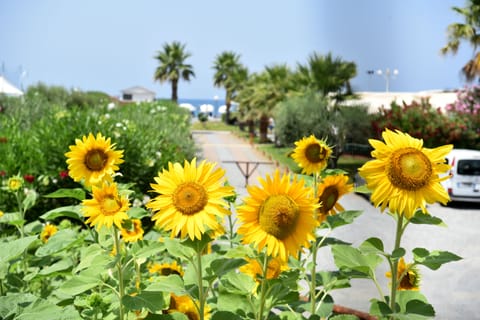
(192, 249)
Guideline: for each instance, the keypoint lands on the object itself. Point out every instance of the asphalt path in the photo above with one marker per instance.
(453, 289)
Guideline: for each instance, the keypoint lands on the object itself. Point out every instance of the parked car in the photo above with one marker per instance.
(464, 182)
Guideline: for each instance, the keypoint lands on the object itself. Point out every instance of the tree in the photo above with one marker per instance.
(262, 92)
(230, 74)
(326, 75)
(466, 31)
(173, 67)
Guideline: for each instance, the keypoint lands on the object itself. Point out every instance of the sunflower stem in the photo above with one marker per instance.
(398, 237)
(313, 272)
(201, 294)
(121, 288)
(263, 287)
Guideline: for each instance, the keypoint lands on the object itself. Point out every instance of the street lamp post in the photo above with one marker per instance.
(387, 75)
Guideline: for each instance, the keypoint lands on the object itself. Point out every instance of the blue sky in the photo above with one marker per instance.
(109, 45)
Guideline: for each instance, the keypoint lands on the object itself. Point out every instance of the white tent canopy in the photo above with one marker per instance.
(206, 108)
(9, 89)
(222, 109)
(188, 106)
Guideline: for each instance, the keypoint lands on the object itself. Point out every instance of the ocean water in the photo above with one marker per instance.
(198, 102)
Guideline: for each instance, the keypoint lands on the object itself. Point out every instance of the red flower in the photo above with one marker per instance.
(2, 173)
(29, 178)
(63, 174)
(3, 139)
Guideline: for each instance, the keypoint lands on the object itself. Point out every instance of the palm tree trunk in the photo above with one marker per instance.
(175, 91)
(263, 126)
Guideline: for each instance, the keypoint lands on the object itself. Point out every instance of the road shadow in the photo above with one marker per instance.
(464, 205)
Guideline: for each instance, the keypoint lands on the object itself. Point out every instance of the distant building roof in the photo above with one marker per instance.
(138, 90)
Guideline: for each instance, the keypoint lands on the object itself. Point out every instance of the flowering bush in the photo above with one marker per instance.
(35, 130)
(209, 256)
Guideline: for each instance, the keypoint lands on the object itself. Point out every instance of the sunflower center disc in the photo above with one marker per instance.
(95, 160)
(278, 216)
(409, 169)
(328, 199)
(111, 206)
(315, 153)
(190, 198)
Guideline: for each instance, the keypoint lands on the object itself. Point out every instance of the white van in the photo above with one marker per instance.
(464, 182)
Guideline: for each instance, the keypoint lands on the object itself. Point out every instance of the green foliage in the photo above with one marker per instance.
(302, 116)
(37, 130)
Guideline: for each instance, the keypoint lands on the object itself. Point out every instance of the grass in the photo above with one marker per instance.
(215, 125)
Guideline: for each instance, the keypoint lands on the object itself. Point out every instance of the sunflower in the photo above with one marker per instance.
(166, 269)
(48, 231)
(14, 183)
(330, 190)
(408, 276)
(133, 231)
(191, 199)
(278, 216)
(93, 160)
(311, 154)
(254, 269)
(107, 207)
(185, 305)
(405, 175)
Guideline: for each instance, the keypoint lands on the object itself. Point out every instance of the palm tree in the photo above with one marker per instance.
(172, 66)
(467, 31)
(262, 92)
(326, 75)
(230, 74)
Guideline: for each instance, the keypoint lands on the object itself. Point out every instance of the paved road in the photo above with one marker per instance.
(453, 290)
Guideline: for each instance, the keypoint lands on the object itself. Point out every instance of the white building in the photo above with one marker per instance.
(138, 94)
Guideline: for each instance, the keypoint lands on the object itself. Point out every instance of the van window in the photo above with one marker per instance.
(469, 167)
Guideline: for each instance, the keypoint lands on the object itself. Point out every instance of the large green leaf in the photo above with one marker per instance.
(137, 213)
(13, 249)
(343, 218)
(78, 284)
(45, 310)
(146, 249)
(152, 300)
(222, 266)
(76, 193)
(93, 255)
(67, 212)
(349, 258)
(178, 250)
(12, 218)
(434, 259)
(61, 240)
(9, 304)
(170, 284)
(424, 218)
(61, 265)
(238, 283)
(372, 245)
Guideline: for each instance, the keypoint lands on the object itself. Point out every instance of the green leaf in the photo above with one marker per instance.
(76, 193)
(344, 317)
(238, 283)
(67, 211)
(146, 249)
(343, 218)
(237, 304)
(13, 249)
(93, 255)
(46, 310)
(328, 241)
(434, 259)
(9, 303)
(362, 189)
(424, 218)
(137, 213)
(222, 315)
(349, 258)
(30, 199)
(178, 250)
(372, 245)
(61, 265)
(222, 266)
(379, 308)
(398, 253)
(12, 218)
(151, 300)
(170, 284)
(61, 240)
(78, 284)
(414, 305)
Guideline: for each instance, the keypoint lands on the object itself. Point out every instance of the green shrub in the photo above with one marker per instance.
(35, 134)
